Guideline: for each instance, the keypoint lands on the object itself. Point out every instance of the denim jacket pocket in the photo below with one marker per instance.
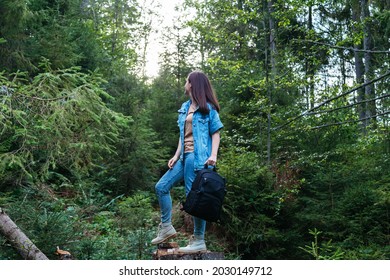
(203, 135)
(204, 125)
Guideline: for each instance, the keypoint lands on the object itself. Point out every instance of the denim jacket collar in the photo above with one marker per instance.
(185, 107)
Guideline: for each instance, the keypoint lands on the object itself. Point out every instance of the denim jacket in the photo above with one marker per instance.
(203, 127)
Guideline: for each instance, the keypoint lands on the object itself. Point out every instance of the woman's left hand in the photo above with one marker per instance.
(211, 161)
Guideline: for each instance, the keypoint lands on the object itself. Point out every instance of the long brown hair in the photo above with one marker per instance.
(202, 91)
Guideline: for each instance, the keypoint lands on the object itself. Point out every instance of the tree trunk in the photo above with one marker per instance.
(359, 71)
(273, 51)
(169, 251)
(368, 68)
(18, 239)
(272, 37)
(114, 37)
(310, 65)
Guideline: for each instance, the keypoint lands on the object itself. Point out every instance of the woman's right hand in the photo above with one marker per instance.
(172, 162)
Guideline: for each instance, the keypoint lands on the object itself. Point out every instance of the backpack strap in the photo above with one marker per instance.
(206, 166)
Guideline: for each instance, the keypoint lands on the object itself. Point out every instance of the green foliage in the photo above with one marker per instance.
(114, 22)
(36, 212)
(116, 247)
(137, 141)
(7, 252)
(323, 251)
(121, 233)
(249, 204)
(342, 192)
(56, 123)
(83, 139)
(135, 212)
(92, 227)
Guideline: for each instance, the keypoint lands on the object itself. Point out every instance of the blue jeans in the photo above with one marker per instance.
(183, 169)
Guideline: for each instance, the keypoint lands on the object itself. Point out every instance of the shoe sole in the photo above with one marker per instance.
(165, 239)
(192, 252)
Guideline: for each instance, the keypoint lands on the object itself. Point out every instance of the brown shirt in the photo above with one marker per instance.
(188, 136)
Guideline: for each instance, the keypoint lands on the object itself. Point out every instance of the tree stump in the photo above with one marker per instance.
(169, 251)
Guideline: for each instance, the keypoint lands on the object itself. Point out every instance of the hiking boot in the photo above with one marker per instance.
(164, 233)
(194, 246)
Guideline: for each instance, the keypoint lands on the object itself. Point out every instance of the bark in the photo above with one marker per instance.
(272, 37)
(359, 72)
(368, 67)
(310, 66)
(196, 256)
(169, 251)
(114, 38)
(18, 239)
(273, 52)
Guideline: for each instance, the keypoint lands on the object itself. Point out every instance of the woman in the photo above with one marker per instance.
(199, 139)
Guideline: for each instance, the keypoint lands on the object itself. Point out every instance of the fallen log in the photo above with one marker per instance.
(18, 239)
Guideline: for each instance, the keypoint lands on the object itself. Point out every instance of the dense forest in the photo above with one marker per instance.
(304, 94)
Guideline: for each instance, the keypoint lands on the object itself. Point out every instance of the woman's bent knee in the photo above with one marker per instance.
(161, 188)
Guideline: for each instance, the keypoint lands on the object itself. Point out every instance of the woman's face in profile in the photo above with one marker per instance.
(187, 88)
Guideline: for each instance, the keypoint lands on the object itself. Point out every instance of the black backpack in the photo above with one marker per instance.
(206, 196)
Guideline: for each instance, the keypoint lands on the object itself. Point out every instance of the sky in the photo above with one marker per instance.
(155, 48)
